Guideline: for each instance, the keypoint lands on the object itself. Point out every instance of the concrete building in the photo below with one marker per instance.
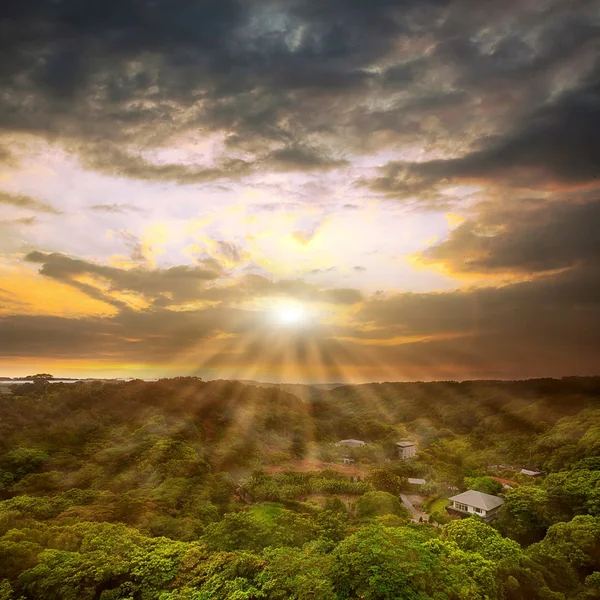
(406, 449)
(478, 503)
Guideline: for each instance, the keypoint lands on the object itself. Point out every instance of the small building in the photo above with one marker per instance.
(406, 449)
(416, 481)
(347, 460)
(507, 484)
(530, 473)
(472, 502)
(352, 443)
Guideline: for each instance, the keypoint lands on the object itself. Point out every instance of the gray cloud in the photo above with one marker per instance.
(280, 77)
(114, 208)
(109, 158)
(555, 317)
(524, 238)
(298, 158)
(180, 283)
(20, 221)
(28, 203)
(553, 143)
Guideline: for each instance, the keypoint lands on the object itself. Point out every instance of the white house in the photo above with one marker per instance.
(351, 443)
(478, 503)
(406, 449)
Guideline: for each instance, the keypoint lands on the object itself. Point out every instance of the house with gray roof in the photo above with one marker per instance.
(472, 502)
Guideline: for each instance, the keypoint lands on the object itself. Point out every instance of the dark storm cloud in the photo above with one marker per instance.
(529, 237)
(220, 48)
(554, 315)
(303, 159)
(156, 334)
(28, 203)
(109, 158)
(554, 143)
(113, 79)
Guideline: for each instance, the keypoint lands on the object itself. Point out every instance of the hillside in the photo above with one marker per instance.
(183, 489)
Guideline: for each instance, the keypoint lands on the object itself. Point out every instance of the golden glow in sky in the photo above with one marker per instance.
(290, 314)
(307, 192)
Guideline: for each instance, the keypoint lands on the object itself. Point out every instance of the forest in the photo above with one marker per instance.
(182, 489)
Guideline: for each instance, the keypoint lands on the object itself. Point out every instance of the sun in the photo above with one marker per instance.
(290, 314)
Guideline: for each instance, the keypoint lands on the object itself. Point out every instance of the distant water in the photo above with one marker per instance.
(2, 381)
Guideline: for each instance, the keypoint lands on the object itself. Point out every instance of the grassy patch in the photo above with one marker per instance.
(437, 504)
(267, 511)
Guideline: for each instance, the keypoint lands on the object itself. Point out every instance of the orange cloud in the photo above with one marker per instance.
(26, 292)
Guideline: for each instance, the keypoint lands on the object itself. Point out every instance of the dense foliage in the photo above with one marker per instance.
(186, 490)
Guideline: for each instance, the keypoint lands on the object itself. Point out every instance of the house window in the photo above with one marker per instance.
(477, 510)
(462, 507)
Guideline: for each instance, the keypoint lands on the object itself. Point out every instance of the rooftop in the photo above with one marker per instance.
(416, 481)
(504, 481)
(405, 444)
(478, 500)
(530, 472)
(352, 442)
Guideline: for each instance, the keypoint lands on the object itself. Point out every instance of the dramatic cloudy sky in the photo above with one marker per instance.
(416, 180)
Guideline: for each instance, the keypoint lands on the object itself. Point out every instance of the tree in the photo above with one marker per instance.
(237, 531)
(464, 574)
(293, 529)
(297, 574)
(385, 481)
(332, 524)
(40, 377)
(525, 515)
(218, 576)
(298, 447)
(23, 460)
(375, 504)
(577, 542)
(384, 563)
(6, 591)
(473, 535)
(591, 590)
(487, 485)
(575, 492)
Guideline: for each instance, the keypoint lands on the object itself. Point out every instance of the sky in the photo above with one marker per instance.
(300, 190)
